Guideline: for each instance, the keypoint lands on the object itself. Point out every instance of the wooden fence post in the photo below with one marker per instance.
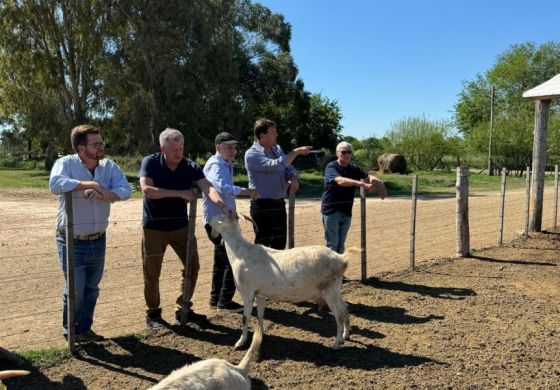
(188, 261)
(462, 217)
(412, 256)
(363, 232)
(291, 219)
(555, 206)
(70, 303)
(502, 206)
(527, 201)
(539, 164)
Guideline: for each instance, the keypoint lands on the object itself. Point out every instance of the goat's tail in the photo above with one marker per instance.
(253, 351)
(350, 252)
(12, 373)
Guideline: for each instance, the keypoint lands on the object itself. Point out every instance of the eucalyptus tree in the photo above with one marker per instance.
(50, 52)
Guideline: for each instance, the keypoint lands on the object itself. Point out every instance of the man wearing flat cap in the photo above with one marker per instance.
(219, 172)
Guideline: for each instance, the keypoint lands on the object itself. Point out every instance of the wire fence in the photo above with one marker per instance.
(31, 278)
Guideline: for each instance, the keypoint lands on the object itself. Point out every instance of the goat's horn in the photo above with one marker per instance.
(12, 373)
(246, 217)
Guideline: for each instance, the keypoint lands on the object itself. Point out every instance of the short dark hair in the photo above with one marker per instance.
(261, 126)
(78, 135)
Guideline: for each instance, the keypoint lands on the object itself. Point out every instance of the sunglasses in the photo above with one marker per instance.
(345, 152)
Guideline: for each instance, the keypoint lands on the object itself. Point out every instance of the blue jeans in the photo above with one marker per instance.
(336, 229)
(89, 260)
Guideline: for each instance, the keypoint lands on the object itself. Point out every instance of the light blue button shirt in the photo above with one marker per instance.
(219, 172)
(90, 216)
(268, 173)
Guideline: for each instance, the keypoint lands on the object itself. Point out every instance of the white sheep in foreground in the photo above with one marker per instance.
(295, 275)
(10, 374)
(216, 374)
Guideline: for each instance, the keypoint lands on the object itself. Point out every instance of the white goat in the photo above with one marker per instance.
(10, 374)
(294, 275)
(215, 374)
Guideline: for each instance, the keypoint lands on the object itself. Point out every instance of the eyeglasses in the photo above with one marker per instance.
(99, 145)
(345, 152)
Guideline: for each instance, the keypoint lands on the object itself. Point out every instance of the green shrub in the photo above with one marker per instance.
(19, 163)
(128, 163)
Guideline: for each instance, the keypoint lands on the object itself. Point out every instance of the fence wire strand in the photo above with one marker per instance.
(387, 247)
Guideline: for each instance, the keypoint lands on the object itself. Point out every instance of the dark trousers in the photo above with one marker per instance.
(270, 217)
(223, 283)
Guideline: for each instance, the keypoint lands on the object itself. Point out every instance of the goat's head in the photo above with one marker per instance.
(221, 222)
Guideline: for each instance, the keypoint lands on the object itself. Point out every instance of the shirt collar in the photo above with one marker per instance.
(261, 148)
(223, 160)
(258, 146)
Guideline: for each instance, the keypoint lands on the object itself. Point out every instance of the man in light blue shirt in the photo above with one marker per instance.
(219, 171)
(95, 182)
(271, 174)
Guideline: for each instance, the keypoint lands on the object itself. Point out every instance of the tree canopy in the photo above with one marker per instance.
(135, 67)
(521, 67)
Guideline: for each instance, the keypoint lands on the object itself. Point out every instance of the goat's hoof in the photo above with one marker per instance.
(336, 346)
(346, 336)
(239, 345)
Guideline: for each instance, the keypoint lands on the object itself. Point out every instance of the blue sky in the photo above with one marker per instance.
(386, 60)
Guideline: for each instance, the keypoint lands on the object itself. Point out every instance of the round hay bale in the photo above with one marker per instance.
(392, 163)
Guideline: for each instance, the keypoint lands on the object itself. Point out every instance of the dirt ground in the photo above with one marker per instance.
(491, 320)
(487, 321)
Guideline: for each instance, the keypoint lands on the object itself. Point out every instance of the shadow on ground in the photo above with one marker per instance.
(434, 292)
(514, 262)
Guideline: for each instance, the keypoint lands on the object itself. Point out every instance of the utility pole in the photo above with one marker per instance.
(490, 162)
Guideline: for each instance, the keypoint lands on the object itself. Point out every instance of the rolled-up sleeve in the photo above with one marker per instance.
(60, 181)
(119, 185)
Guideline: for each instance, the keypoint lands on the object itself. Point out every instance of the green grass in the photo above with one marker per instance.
(20, 178)
(434, 182)
(429, 182)
(46, 357)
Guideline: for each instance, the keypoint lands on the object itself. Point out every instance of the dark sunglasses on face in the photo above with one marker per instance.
(345, 152)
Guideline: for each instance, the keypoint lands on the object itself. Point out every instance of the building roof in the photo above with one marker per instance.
(548, 90)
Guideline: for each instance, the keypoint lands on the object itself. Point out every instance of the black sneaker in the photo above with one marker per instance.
(156, 322)
(212, 305)
(230, 307)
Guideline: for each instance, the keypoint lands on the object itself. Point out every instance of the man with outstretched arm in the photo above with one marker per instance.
(271, 173)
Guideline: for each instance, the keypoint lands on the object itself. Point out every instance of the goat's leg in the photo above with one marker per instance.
(247, 308)
(340, 312)
(260, 312)
(346, 333)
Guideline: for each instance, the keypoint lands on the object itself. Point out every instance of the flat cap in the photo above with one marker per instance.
(226, 138)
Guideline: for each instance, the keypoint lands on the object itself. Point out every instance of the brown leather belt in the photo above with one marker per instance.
(89, 237)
